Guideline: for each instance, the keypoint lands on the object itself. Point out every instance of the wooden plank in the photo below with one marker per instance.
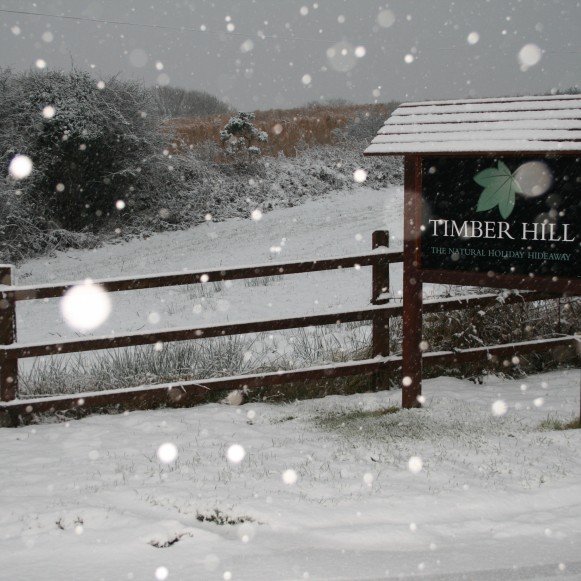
(477, 134)
(492, 100)
(380, 322)
(537, 105)
(184, 334)
(133, 339)
(412, 283)
(8, 369)
(477, 117)
(7, 274)
(498, 147)
(534, 124)
(188, 392)
(179, 393)
(487, 153)
(31, 292)
(558, 286)
(495, 352)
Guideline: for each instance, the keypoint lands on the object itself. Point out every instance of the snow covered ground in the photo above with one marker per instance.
(448, 492)
(336, 225)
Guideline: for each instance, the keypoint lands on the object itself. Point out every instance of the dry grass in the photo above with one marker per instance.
(288, 129)
(555, 424)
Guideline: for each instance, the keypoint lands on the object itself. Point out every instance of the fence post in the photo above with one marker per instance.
(380, 321)
(412, 283)
(8, 368)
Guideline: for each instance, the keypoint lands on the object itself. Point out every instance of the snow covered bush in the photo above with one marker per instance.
(94, 145)
(103, 166)
(25, 232)
(240, 134)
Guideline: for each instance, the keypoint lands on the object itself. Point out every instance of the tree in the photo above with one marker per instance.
(175, 102)
(240, 134)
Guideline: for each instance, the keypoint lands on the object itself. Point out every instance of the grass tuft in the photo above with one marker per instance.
(555, 424)
(220, 518)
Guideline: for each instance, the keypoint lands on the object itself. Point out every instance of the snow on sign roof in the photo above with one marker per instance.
(509, 125)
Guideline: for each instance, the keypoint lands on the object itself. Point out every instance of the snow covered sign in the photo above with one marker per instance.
(491, 199)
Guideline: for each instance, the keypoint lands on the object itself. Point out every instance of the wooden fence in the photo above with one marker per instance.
(185, 393)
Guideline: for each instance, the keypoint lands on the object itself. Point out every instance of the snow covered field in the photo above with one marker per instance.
(326, 489)
(336, 225)
(448, 492)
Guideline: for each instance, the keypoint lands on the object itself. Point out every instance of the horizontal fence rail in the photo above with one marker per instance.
(17, 351)
(184, 393)
(47, 291)
(189, 392)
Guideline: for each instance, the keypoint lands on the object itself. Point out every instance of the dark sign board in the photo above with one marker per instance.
(507, 215)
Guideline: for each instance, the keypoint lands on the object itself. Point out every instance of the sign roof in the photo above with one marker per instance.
(504, 125)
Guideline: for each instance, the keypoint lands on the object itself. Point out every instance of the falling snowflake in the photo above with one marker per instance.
(247, 46)
(167, 453)
(360, 175)
(529, 55)
(85, 306)
(20, 167)
(473, 38)
(236, 453)
(289, 476)
(48, 112)
(415, 464)
(385, 18)
(499, 408)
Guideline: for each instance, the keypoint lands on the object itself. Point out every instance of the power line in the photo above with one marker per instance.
(205, 31)
(162, 26)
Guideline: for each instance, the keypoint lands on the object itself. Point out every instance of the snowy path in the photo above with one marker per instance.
(496, 497)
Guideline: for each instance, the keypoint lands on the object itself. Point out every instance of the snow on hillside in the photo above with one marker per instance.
(320, 489)
(336, 225)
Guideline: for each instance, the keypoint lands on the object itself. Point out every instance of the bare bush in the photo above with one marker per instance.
(174, 102)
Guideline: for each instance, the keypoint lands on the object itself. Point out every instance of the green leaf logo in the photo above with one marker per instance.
(500, 189)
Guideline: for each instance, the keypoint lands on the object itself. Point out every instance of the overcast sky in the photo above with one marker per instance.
(259, 54)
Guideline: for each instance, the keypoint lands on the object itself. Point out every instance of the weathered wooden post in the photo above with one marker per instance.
(8, 368)
(380, 321)
(412, 284)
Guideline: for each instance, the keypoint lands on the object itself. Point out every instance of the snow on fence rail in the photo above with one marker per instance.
(189, 392)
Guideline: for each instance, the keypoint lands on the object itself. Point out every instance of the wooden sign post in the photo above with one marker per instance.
(491, 199)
